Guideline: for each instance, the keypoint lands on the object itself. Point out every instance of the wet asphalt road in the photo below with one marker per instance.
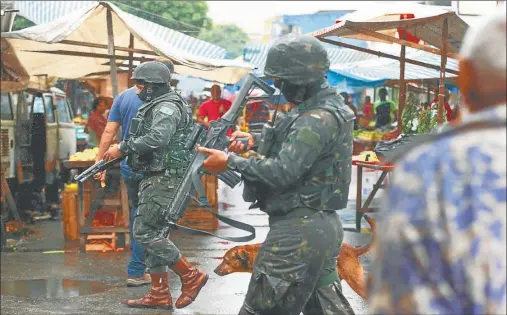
(222, 295)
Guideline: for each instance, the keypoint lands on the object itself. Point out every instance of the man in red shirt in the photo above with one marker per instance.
(214, 108)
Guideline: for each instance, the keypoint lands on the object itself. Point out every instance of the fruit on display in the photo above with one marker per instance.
(368, 156)
(79, 120)
(373, 135)
(86, 155)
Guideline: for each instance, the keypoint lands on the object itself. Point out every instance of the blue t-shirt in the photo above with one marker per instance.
(125, 107)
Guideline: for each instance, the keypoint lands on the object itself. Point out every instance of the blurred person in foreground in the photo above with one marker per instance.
(125, 107)
(213, 108)
(442, 247)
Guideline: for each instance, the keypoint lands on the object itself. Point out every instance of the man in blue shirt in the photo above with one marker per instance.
(125, 107)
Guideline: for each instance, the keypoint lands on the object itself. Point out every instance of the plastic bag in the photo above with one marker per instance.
(388, 151)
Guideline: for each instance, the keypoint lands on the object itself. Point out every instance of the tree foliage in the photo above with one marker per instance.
(184, 16)
(228, 36)
(21, 23)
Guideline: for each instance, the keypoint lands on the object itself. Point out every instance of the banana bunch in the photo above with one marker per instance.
(79, 121)
(369, 135)
(368, 156)
(86, 155)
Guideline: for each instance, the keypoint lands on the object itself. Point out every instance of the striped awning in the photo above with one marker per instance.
(256, 54)
(41, 12)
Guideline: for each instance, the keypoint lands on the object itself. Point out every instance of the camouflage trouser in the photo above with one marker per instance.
(155, 192)
(295, 270)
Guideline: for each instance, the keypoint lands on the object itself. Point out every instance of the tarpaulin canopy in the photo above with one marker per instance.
(378, 72)
(78, 44)
(13, 77)
(41, 12)
(419, 21)
(416, 26)
(256, 54)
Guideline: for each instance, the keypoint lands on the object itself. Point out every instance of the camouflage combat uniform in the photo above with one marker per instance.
(156, 149)
(300, 182)
(165, 120)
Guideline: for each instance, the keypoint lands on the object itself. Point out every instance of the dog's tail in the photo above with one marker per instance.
(359, 251)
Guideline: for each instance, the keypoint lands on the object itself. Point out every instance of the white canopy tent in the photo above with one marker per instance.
(91, 38)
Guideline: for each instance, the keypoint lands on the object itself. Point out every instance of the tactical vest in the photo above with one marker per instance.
(172, 158)
(326, 185)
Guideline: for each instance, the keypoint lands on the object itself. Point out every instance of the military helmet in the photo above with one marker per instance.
(169, 64)
(152, 72)
(299, 59)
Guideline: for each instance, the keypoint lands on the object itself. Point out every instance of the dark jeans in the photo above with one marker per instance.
(136, 266)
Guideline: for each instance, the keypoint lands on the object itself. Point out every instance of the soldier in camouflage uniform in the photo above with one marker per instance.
(155, 148)
(300, 176)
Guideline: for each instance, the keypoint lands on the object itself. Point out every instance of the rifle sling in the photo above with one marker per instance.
(236, 224)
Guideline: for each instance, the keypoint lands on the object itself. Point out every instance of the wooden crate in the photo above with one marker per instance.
(70, 215)
(198, 218)
(70, 207)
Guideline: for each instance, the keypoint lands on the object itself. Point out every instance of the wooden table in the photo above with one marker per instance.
(365, 208)
(85, 228)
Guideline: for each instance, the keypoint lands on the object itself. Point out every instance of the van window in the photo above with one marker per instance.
(49, 109)
(63, 110)
(6, 109)
(38, 106)
(15, 99)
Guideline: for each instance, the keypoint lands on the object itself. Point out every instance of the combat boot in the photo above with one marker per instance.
(192, 281)
(159, 297)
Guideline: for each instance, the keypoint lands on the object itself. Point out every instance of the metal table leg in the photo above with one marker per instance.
(359, 197)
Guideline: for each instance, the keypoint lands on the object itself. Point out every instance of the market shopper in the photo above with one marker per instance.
(213, 108)
(155, 148)
(442, 247)
(96, 122)
(303, 178)
(257, 116)
(385, 110)
(348, 102)
(368, 109)
(125, 107)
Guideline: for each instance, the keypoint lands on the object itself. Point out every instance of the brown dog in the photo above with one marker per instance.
(348, 266)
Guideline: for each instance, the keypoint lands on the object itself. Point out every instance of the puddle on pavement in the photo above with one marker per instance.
(52, 288)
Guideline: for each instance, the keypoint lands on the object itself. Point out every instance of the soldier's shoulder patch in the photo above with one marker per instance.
(308, 136)
(168, 110)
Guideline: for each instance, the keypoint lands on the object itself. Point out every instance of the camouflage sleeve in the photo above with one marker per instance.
(307, 138)
(166, 117)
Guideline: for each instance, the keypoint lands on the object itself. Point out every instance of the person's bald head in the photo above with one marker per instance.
(482, 64)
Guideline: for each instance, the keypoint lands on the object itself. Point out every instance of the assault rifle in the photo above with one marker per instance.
(216, 138)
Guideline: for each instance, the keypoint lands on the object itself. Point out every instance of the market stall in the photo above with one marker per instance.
(98, 214)
(96, 37)
(437, 32)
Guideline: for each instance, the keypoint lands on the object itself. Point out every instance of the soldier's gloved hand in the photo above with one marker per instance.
(238, 147)
(216, 162)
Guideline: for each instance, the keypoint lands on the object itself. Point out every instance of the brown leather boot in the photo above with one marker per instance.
(159, 297)
(192, 281)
